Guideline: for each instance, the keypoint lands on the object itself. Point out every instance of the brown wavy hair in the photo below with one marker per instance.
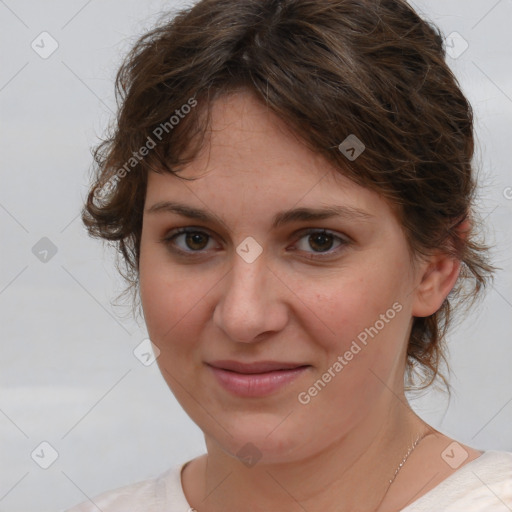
(328, 68)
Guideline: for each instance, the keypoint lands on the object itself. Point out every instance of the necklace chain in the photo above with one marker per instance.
(411, 449)
(400, 466)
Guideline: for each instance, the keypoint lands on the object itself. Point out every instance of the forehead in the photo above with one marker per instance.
(252, 159)
(246, 135)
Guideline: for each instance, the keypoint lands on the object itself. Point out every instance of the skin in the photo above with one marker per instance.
(338, 451)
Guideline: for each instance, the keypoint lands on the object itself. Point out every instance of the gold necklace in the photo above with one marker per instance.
(400, 466)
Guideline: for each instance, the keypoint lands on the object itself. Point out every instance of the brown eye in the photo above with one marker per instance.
(196, 240)
(317, 243)
(187, 241)
(320, 242)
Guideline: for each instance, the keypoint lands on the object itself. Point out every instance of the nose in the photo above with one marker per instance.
(252, 304)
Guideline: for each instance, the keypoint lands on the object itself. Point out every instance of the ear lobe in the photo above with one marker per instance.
(437, 280)
(440, 273)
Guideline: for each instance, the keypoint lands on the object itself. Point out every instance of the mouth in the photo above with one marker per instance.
(255, 379)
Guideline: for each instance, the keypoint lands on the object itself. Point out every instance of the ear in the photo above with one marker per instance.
(437, 278)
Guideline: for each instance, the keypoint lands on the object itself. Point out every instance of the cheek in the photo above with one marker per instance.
(167, 294)
(348, 304)
(362, 317)
(167, 301)
(367, 325)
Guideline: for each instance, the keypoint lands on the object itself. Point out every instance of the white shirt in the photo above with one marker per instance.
(482, 485)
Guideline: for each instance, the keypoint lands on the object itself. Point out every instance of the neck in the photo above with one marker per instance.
(352, 473)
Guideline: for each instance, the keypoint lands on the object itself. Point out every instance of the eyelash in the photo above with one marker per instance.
(169, 242)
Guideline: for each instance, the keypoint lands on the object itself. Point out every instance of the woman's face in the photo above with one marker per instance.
(282, 317)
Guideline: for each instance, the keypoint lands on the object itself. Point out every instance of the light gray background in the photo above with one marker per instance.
(68, 375)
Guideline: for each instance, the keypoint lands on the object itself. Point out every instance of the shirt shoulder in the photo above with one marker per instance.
(163, 493)
(482, 485)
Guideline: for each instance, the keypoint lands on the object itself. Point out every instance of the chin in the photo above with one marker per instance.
(268, 441)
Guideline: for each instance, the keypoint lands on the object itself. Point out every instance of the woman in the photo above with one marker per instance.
(290, 186)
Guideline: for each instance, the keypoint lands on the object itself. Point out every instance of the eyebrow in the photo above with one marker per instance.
(280, 219)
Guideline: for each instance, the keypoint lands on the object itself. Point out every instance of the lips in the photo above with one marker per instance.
(257, 367)
(255, 379)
